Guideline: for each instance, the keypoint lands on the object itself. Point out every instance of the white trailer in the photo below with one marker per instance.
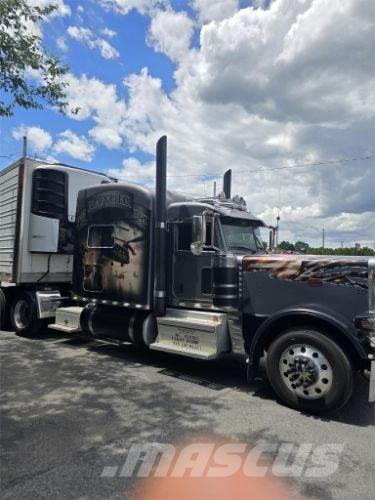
(37, 214)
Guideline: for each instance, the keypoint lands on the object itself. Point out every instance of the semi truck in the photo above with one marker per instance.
(191, 277)
(37, 213)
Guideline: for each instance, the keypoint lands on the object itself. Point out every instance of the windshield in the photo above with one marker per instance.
(241, 234)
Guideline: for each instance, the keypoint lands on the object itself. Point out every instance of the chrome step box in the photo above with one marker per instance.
(198, 334)
(67, 319)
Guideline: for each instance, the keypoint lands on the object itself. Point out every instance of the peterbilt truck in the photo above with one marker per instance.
(37, 212)
(191, 277)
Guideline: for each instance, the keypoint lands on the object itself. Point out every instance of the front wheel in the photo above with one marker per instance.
(24, 315)
(309, 371)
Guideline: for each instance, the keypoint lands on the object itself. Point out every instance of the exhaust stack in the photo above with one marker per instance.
(227, 184)
(160, 226)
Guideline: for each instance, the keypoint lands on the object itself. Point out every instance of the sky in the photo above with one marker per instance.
(276, 90)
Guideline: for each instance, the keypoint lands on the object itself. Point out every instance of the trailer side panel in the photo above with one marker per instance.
(9, 193)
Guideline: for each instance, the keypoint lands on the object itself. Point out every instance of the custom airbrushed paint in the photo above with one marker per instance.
(338, 271)
(114, 244)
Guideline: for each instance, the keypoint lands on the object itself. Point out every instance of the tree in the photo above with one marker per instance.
(22, 51)
(301, 246)
(285, 245)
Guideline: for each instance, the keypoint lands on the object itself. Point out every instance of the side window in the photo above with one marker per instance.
(49, 195)
(101, 236)
(184, 235)
(212, 239)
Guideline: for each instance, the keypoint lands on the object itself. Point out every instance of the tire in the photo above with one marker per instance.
(24, 315)
(4, 313)
(315, 365)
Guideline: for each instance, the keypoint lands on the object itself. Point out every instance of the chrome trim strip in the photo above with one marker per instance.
(226, 296)
(216, 285)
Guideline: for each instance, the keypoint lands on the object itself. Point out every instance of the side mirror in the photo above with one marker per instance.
(198, 234)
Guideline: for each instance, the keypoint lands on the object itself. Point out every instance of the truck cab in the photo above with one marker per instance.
(192, 277)
(198, 232)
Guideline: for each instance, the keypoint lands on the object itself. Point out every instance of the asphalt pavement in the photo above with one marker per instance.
(72, 408)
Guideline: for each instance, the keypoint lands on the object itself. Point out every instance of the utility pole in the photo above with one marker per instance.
(214, 189)
(277, 229)
(323, 233)
(24, 146)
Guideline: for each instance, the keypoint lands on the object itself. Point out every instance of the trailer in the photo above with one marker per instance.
(37, 214)
(192, 278)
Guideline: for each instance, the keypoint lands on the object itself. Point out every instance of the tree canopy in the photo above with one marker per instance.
(21, 54)
(302, 247)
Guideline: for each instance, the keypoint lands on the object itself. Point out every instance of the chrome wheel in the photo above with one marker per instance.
(21, 314)
(306, 371)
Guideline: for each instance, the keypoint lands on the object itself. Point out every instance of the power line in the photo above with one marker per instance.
(286, 167)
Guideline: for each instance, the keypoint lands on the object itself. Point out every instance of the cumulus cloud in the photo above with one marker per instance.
(61, 44)
(62, 9)
(39, 140)
(170, 33)
(214, 10)
(285, 85)
(108, 32)
(99, 102)
(75, 146)
(125, 6)
(87, 37)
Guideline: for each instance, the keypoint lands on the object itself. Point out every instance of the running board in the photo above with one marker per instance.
(197, 334)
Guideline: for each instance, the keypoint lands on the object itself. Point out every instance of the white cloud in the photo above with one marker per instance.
(86, 36)
(214, 10)
(108, 32)
(99, 102)
(39, 140)
(170, 33)
(290, 84)
(61, 44)
(125, 6)
(62, 9)
(75, 146)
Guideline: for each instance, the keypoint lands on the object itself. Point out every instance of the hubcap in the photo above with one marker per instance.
(306, 371)
(21, 314)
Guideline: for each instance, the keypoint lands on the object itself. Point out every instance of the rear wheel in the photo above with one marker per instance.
(309, 371)
(24, 315)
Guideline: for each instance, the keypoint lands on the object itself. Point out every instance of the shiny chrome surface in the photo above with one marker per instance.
(21, 314)
(306, 371)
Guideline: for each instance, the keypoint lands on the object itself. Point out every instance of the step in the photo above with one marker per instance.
(67, 319)
(64, 328)
(197, 334)
(184, 351)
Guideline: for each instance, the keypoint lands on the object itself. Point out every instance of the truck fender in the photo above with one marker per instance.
(343, 329)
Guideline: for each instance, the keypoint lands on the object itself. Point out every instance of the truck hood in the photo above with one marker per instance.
(340, 270)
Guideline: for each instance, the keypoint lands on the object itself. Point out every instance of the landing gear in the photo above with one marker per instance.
(309, 371)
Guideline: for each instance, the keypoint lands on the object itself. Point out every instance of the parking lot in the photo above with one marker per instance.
(71, 408)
